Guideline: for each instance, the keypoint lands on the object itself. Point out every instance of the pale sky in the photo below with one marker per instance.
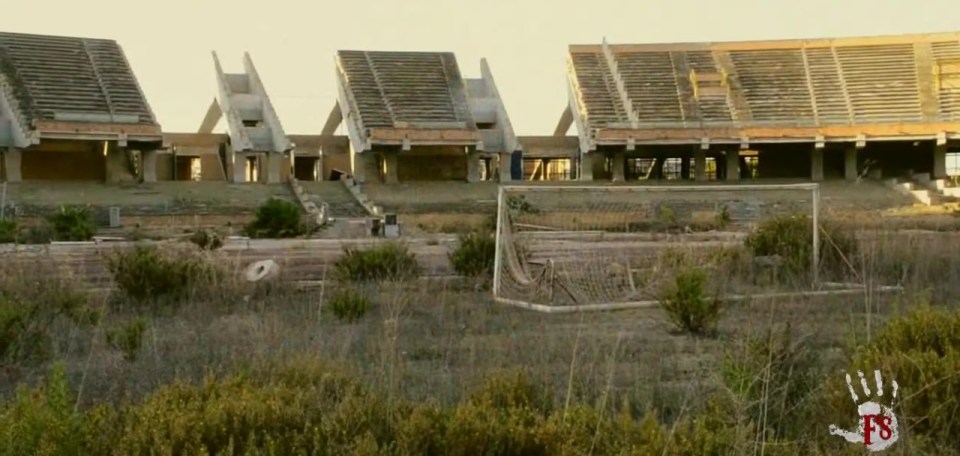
(293, 43)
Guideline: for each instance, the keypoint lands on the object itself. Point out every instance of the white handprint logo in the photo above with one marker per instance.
(877, 428)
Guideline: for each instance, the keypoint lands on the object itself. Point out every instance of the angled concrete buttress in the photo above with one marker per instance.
(490, 114)
(256, 135)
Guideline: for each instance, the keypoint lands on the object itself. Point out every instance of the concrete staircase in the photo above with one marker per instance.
(356, 191)
(336, 197)
(939, 189)
(318, 213)
(926, 191)
(911, 189)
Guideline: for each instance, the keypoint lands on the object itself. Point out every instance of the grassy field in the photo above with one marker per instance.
(425, 350)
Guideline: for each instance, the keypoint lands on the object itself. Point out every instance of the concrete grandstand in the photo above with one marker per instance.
(803, 108)
(424, 139)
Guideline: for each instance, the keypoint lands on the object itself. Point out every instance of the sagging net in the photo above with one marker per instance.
(579, 245)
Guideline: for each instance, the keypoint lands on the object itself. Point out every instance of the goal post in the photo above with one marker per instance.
(563, 248)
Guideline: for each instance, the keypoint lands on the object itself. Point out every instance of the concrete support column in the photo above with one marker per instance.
(503, 166)
(274, 162)
(940, 161)
(733, 165)
(11, 164)
(118, 165)
(685, 168)
(391, 160)
(357, 168)
(149, 165)
(586, 166)
(239, 168)
(473, 165)
(700, 164)
(850, 164)
(618, 166)
(816, 164)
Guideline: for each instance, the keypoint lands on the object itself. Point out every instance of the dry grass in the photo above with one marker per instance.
(434, 342)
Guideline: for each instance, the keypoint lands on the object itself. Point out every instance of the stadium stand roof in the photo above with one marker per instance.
(392, 97)
(71, 88)
(846, 89)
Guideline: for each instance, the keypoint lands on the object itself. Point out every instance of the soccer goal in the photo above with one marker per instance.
(574, 248)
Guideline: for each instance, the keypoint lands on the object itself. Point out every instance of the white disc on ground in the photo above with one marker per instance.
(262, 271)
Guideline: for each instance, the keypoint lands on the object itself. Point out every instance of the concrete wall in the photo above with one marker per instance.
(64, 160)
(335, 156)
(339, 161)
(432, 163)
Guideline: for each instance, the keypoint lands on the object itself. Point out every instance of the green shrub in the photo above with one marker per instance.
(43, 420)
(921, 351)
(73, 224)
(9, 232)
(791, 237)
(277, 219)
(474, 255)
(773, 376)
(206, 239)
(127, 338)
(32, 305)
(688, 305)
(144, 273)
(386, 261)
(348, 305)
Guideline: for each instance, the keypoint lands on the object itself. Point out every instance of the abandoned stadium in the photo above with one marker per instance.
(874, 121)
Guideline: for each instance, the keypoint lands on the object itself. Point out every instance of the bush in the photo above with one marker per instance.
(791, 238)
(921, 351)
(206, 239)
(387, 261)
(144, 273)
(277, 219)
(348, 305)
(43, 420)
(73, 224)
(474, 255)
(773, 376)
(9, 232)
(687, 304)
(32, 305)
(128, 338)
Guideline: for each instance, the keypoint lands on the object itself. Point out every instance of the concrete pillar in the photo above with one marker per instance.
(391, 160)
(940, 161)
(149, 165)
(850, 164)
(816, 164)
(618, 165)
(357, 168)
(319, 169)
(274, 163)
(473, 165)
(239, 168)
(586, 166)
(700, 164)
(503, 166)
(685, 168)
(11, 164)
(733, 165)
(118, 165)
